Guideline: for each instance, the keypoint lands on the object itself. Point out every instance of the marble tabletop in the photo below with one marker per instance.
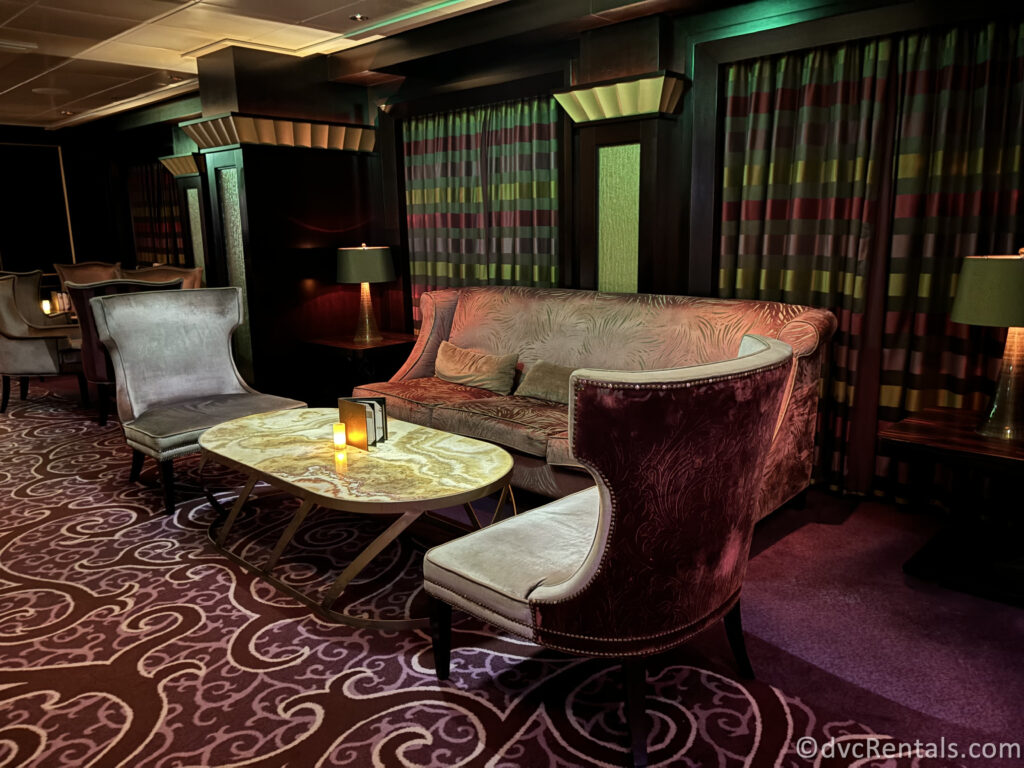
(416, 468)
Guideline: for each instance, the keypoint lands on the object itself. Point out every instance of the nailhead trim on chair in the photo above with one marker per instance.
(622, 385)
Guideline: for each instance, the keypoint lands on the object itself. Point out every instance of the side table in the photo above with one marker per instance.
(980, 551)
(347, 364)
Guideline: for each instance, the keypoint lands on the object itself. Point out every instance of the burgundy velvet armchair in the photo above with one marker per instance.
(657, 550)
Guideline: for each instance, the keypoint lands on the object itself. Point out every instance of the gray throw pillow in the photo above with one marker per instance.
(546, 381)
(475, 369)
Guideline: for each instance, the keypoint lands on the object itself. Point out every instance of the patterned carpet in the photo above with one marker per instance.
(127, 640)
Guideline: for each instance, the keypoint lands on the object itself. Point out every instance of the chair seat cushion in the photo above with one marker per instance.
(174, 429)
(415, 399)
(522, 423)
(491, 573)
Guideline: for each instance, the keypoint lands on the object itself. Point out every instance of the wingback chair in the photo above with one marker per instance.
(87, 272)
(192, 277)
(95, 360)
(174, 371)
(27, 350)
(27, 297)
(657, 550)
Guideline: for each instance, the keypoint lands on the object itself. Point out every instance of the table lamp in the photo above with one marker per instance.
(364, 266)
(990, 291)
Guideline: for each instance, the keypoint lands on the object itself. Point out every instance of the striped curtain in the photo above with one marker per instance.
(804, 167)
(156, 215)
(958, 192)
(482, 196)
(833, 178)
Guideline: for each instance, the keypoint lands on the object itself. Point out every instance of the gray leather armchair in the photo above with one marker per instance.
(27, 350)
(174, 371)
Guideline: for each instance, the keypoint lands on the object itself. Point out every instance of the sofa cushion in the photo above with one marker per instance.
(414, 399)
(546, 381)
(523, 423)
(560, 452)
(475, 369)
(176, 427)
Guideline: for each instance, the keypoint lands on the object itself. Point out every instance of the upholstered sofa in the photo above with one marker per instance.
(598, 330)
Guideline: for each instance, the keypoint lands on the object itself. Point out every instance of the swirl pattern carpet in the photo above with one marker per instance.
(127, 640)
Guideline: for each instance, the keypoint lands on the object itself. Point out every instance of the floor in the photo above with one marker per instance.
(125, 640)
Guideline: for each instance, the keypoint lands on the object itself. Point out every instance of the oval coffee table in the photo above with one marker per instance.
(417, 469)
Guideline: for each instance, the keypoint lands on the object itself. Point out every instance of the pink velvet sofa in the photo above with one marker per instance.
(598, 330)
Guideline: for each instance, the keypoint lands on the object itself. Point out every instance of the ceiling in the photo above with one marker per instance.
(64, 62)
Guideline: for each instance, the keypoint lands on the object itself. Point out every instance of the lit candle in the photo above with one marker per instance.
(339, 437)
(46, 306)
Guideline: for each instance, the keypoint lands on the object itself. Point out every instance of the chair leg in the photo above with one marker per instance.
(167, 481)
(83, 390)
(103, 396)
(734, 631)
(441, 636)
(137, 458)
(24, 387)
(634, 674)
(6, 393)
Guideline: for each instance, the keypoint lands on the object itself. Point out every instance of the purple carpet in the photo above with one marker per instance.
(127, 640)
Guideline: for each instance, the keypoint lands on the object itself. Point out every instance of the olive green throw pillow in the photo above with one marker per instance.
(546, 381)
(475, 369)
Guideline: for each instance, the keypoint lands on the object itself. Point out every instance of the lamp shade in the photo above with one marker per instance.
(990, 291)
(365, 265)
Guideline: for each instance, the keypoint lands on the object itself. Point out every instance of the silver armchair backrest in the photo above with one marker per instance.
(12, 322)
(26, 297)
(169, 346)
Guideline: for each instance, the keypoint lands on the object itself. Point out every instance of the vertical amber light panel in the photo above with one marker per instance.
(618, 217)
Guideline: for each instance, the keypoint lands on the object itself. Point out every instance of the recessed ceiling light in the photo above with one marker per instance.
(51, 91)
(359, 17)
(65, 113)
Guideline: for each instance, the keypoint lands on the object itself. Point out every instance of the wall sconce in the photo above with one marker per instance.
(364, 266)
(656, 93)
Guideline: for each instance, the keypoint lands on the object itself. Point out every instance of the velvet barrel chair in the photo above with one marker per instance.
(174, 371)
(95, 360)
(27, 350)
(657, 550)
(192, 277)
(87, 272)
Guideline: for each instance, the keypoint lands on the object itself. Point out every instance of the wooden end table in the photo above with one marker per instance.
(980, 551)
(417, 469)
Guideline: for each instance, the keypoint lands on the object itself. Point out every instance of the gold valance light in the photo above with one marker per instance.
(225, 130)
(656, 93)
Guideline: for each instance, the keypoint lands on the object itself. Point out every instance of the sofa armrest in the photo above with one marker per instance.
(437, 309)
(808, 331)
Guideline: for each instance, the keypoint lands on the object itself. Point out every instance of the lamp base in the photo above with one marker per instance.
(366, 325)
(1006, 419)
